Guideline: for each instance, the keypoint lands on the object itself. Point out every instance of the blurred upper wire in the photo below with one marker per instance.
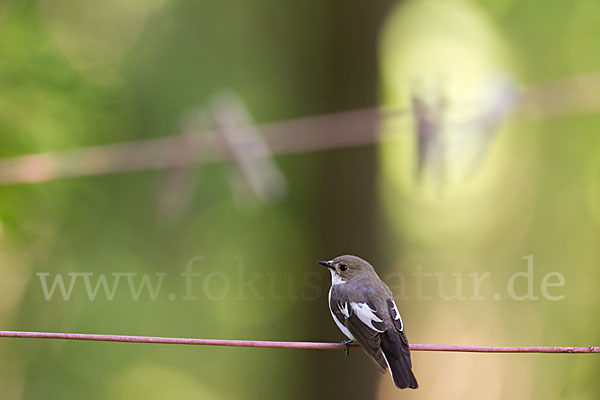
(569, 96)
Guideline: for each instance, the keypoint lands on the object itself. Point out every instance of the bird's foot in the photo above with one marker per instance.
(347, 343)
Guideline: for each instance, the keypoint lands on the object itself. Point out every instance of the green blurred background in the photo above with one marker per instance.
(76, 74)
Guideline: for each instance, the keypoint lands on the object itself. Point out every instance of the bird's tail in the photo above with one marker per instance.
(397, 355)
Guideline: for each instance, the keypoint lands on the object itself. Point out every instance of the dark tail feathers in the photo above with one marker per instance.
(397, 354)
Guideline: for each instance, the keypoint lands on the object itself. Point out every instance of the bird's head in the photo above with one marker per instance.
(344, 268)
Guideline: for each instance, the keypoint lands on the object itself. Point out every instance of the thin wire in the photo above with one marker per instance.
(287, 345)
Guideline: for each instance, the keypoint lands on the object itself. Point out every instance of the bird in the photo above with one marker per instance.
(363, 308)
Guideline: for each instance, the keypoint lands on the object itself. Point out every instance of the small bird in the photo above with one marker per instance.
(363, 307)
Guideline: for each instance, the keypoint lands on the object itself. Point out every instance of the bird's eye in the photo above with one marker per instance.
(343, 267)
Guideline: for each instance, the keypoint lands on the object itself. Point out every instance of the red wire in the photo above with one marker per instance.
(288, 345)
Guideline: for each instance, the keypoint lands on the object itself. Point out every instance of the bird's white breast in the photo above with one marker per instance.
(336, 280)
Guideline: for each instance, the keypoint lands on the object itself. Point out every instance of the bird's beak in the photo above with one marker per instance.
(326, 263)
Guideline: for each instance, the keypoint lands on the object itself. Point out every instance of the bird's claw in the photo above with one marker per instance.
(347, 343)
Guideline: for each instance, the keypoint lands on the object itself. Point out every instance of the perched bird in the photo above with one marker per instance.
(363, 308)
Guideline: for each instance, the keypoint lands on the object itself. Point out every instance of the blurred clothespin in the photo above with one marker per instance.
(246, 147)
(428, 115)
(499, 100)
(179, 181)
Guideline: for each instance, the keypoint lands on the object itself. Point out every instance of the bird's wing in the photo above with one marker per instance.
(395, 314)
(363, 323)
(394, 345)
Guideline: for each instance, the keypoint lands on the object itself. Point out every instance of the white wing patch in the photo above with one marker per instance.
(342, 327)
(396, 314)
(366, 315)
(344, 310)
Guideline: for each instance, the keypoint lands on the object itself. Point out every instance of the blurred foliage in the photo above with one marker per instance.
(76, 74)
(79, 74)
(535, 193)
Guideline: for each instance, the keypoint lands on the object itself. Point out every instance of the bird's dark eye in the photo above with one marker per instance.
(343, 267)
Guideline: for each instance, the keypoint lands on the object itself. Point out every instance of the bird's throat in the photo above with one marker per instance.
(335, 279)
